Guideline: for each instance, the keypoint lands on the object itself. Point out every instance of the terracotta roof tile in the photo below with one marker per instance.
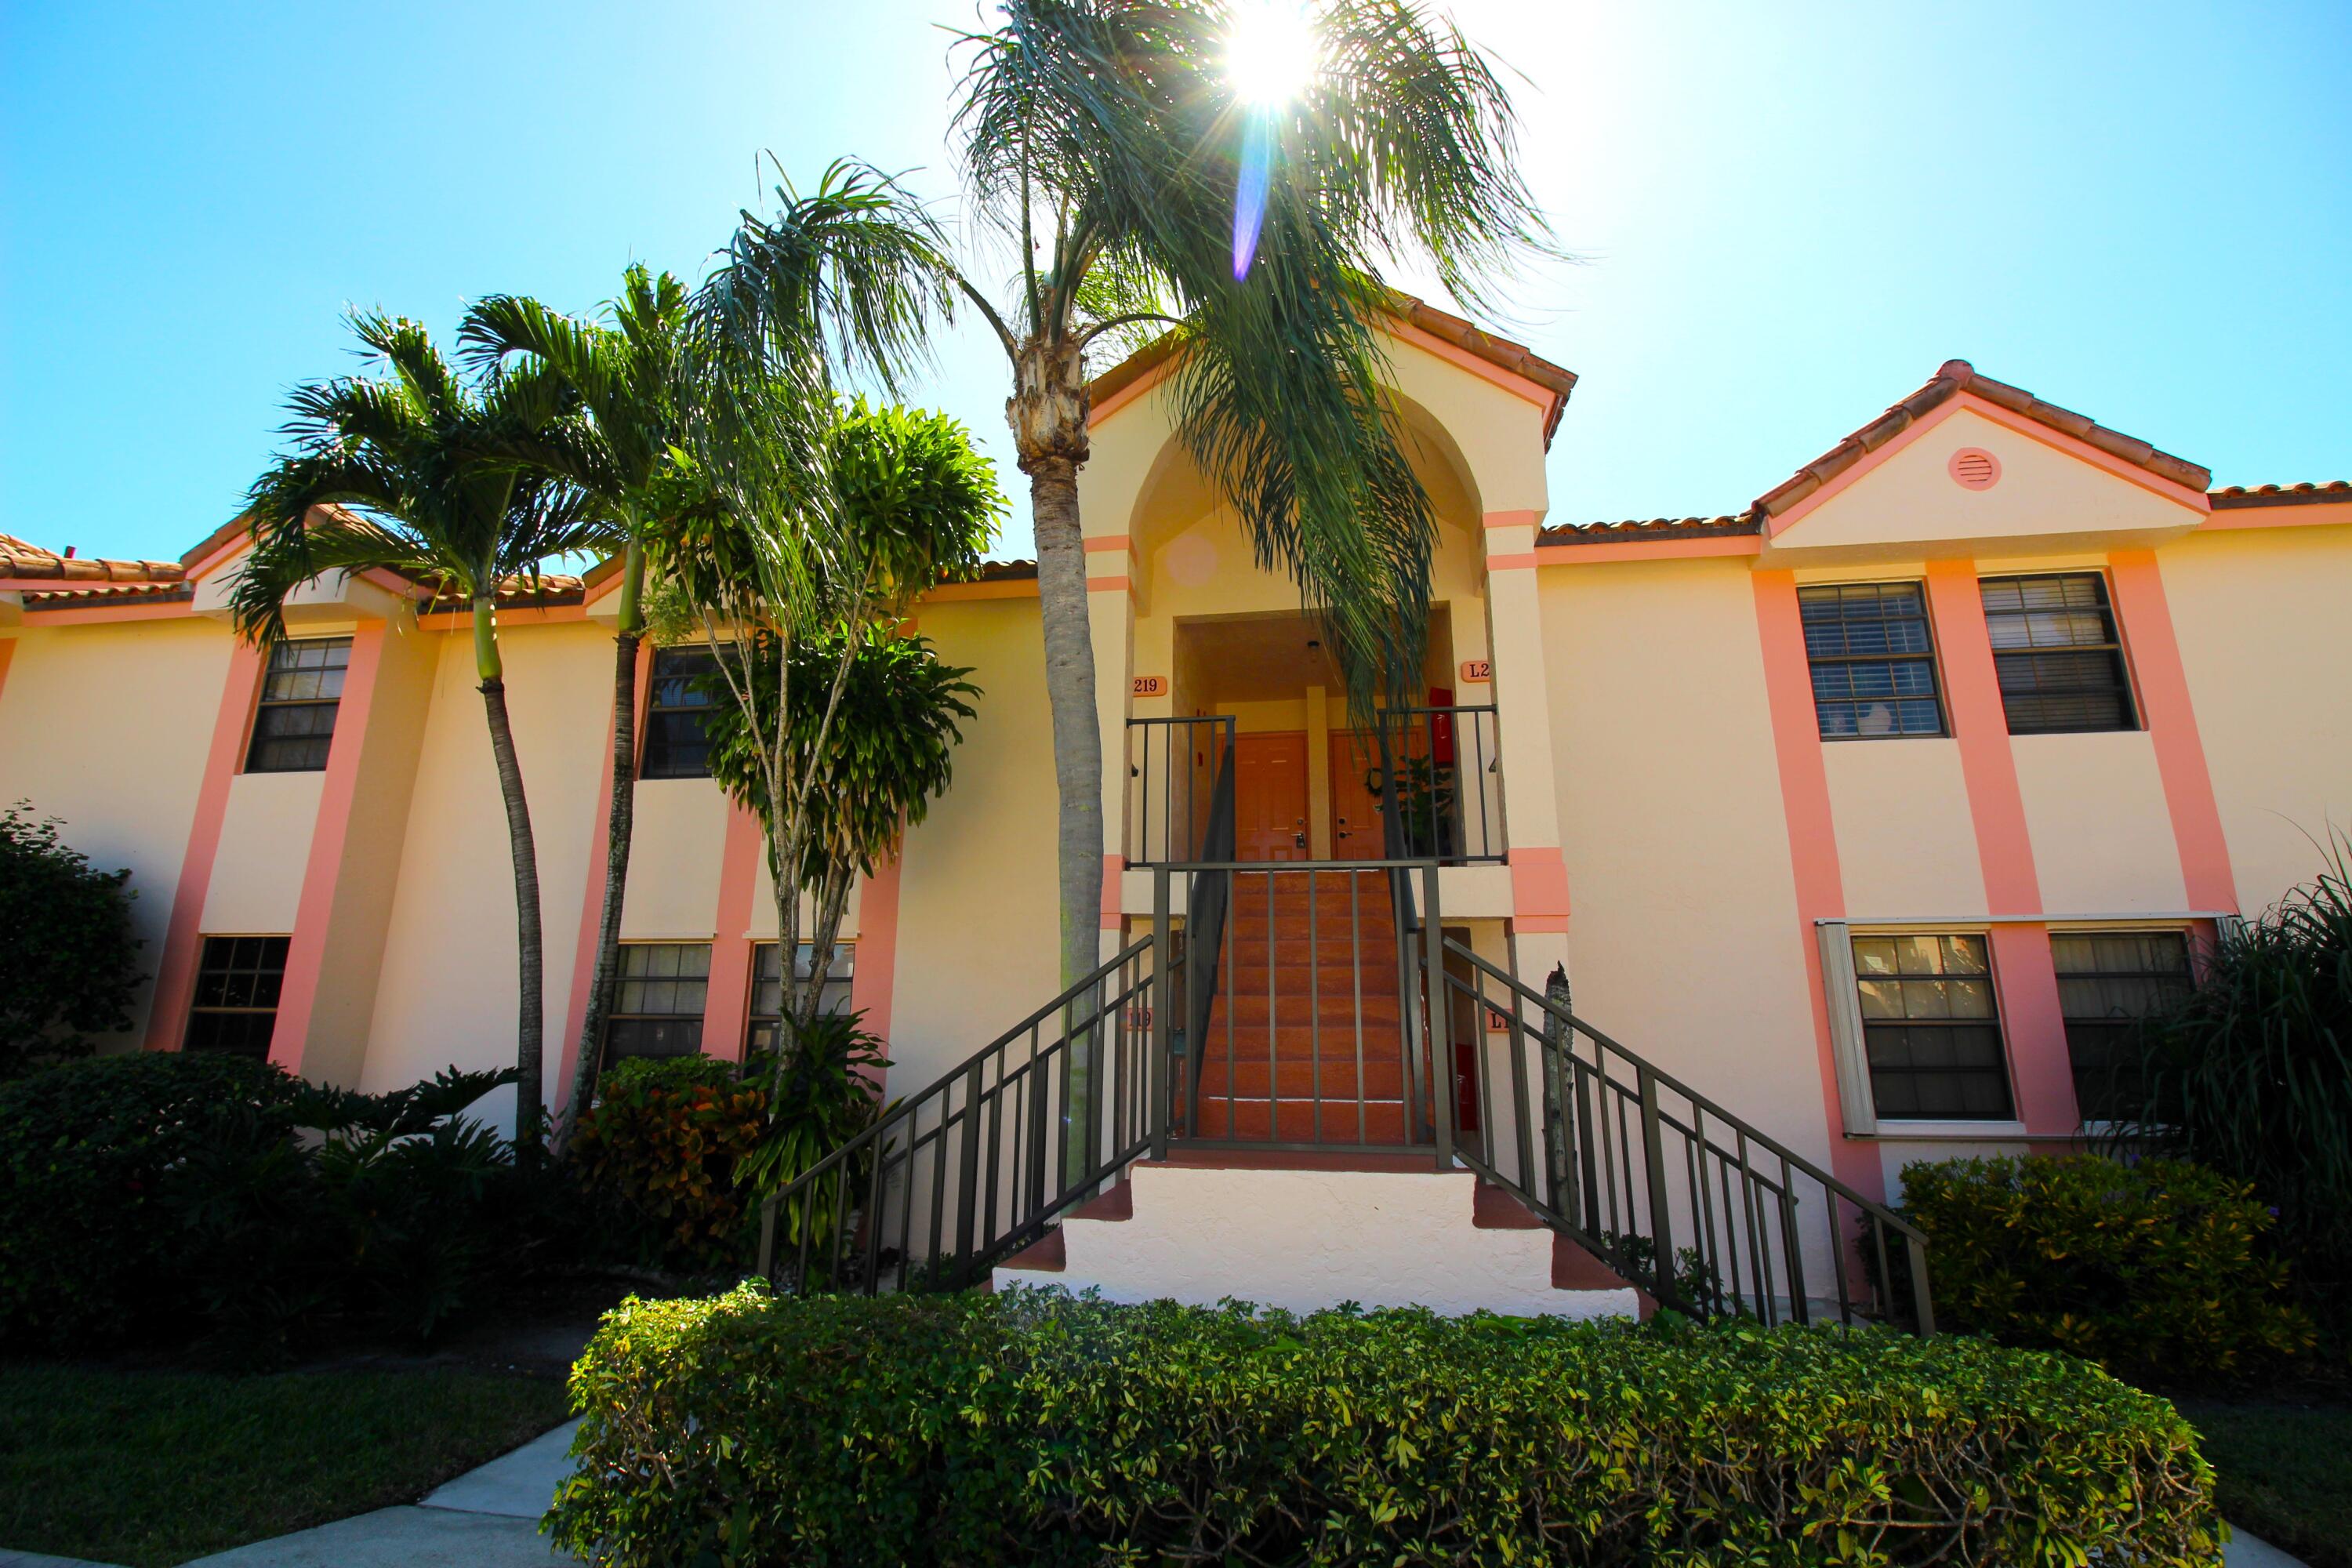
(1650, 528)
(1007, 571)
(21, 558)
(547, 588)
(2305, 494)
(1517, 358)
(1956, 377)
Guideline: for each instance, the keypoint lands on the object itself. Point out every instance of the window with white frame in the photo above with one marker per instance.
(657, 1010)
(1930, 1027)
(2108, 981)
(768, 985)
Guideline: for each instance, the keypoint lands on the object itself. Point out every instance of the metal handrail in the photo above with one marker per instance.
(1611, 1152)
(1204, 927)
(994, 1137)
(1459, 821)
(1173, 834)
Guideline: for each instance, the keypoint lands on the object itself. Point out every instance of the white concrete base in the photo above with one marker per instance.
(1308, 1239)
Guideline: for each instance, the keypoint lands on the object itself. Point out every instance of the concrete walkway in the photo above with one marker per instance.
(486, 1518)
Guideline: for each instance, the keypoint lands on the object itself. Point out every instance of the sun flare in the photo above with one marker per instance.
(1272, 53)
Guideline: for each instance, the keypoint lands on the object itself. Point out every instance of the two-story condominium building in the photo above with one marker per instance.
(1861, 814)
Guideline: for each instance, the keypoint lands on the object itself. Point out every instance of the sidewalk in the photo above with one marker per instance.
(486, 1518)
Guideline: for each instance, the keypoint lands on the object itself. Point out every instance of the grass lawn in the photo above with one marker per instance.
(2285, 1472)
(152, 1468)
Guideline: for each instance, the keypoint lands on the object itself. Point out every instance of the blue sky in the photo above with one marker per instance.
(1787, 216)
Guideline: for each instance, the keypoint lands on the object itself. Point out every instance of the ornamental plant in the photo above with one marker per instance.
(2160, 1270)
(1032, 1428)
(657, 1155)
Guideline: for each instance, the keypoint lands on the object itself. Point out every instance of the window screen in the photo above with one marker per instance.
(676, 747)
(2106, 981)
(295, 723)
(237, 982)
(658, 1009)
(768, 986)
(2060, 659)
(1930, 1030)
(1873, 662)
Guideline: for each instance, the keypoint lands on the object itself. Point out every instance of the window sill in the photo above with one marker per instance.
(1959, 1132)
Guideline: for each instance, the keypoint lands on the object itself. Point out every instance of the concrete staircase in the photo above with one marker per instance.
(1305, 1231)
(1308, 1001)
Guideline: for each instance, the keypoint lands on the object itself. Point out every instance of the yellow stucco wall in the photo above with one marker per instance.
(106, 727)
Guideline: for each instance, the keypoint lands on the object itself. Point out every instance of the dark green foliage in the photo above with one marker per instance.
(2283, 1470)
(1032, 1428)
(657, 1156)
(69, 963)
(164, 1196)
(88, 1247)
(825, 1088)
(2253, 1076)
(2155, 1270)
(888, 751)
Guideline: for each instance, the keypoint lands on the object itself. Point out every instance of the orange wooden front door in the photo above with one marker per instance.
(1355, 810)
(1270, 797)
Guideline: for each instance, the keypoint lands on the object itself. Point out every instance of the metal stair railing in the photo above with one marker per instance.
(1206, 904)
(1707, 1213)
(953, 1180)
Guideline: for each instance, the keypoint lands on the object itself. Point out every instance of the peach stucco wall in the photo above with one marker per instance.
(2267, 644)
(265, 844)
(106, 728)
(1684, 942)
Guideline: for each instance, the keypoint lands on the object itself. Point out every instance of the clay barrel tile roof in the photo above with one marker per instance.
(1650, 528)
(1501, 352)
(21, 558)
(2305, 494)
(1955, 376)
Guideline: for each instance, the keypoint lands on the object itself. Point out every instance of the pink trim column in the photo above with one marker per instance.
(307, 951)
(2147, 620)
(1980, 725)
(727, 1000)
(7, 652)
(175, 970)
(876, 980)
(2025, 980)
(1813, 842)
(592, 893)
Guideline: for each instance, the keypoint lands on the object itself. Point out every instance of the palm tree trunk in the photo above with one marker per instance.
(530, 1094)
(621, 822)
(1078, 752)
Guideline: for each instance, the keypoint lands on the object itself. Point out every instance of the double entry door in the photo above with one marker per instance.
(1271, 804)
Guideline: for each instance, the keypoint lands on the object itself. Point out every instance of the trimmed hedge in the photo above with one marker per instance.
(2157, 1270)
(1033, 1427)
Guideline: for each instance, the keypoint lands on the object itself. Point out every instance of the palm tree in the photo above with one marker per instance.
(628, 378)
(445, 484)
(1149, 185)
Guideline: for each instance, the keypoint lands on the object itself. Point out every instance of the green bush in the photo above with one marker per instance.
(175, 1194)
(2155, 1270)
(89, 1250)
(2251, 1075)
(1036, 1428)
(657, 1155)
(70, 965)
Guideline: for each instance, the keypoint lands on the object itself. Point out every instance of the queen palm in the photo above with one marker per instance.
(447, 484)
(628, 377)
(1153, 177)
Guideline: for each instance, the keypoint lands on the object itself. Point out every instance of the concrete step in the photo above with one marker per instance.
(1304, 1231)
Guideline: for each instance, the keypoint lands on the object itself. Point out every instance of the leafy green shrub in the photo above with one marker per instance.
(2251, 1075)
(2154, 1270)
(87, 1251)
(658, 1154)
(1036, 1428)
(170, 1195)
(825, 1089)
(71, 964)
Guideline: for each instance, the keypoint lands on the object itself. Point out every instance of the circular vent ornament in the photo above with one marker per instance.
(1974, 468)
